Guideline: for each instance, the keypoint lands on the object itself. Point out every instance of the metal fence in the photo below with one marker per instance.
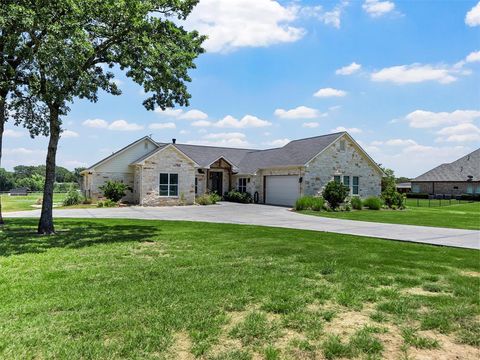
(436, 202)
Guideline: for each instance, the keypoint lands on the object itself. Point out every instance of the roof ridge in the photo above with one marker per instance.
(318, 136)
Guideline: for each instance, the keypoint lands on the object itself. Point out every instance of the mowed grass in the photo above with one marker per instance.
(132, 289)
(457, 216)
(20, 203)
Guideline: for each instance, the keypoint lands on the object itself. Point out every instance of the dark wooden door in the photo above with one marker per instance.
(217, 182)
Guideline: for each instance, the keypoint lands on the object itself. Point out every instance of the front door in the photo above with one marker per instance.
(217, 182)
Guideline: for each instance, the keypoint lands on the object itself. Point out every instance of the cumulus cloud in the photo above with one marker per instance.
(233, 24)
(415, 73)
(13, 133)
(301, 112)
(226, 139)
(428, 119)
(311, 125)
(162, 126)
(473, 57)
(180, 114)
(278, 142)
(466, 132)
(202, 123)
(349, 69)
(473, 16)
(96, 123)
(69, 134)
(329, 92)
(376, 8)
(352, 130)
(117, 125)
(331, 17)
(248, 121)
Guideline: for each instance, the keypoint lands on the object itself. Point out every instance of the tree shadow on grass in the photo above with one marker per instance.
(19, 235)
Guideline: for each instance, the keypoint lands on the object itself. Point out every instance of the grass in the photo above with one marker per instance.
(458, 216)
(22, 203)
(128, 289)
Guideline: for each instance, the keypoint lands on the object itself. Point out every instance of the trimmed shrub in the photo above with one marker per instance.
(72, 198)
(335, 194)
(215, 198)
(208, 199)
(392, 198)
(373, 203)
(318, 203)
(238, 197)
(114, 190)
(356, 203)
(106, 203)
(314, 203)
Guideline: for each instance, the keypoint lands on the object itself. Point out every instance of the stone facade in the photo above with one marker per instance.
(92, 182)
(168, 160)
(342, 160)
(446, 187)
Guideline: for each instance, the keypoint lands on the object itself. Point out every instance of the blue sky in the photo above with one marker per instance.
(401, 76)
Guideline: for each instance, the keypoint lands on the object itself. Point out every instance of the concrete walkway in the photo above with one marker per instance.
(278, 217)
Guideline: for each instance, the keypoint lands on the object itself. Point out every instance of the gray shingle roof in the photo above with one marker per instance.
(459, 170)
(248, 161)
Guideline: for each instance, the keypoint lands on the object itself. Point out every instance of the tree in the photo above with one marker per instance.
(335, 193)
(114, 190)
(7, 180)
(94, 36)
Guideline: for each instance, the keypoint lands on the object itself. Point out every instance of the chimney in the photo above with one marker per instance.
(174, 141)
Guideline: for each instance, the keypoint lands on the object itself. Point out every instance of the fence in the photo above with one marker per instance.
(435, 202)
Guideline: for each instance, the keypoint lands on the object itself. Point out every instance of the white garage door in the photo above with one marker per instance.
(282, 190)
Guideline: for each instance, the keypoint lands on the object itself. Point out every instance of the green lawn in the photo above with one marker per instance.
(21, 203)
(458, 216)
(132, 289)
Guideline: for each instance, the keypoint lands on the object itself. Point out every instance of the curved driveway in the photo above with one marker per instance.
(278, 217)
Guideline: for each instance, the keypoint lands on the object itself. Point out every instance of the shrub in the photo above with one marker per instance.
(107, 203)
(204, 200)
(356, 203)
(215, 198)
(238, 197)
(114, 190)
(87, 201)
(335, 193)
(72, 198)
(373, 203)
(392, 198)
(314, 203)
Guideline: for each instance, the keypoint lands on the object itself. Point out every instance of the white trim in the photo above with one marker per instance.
(168, 185)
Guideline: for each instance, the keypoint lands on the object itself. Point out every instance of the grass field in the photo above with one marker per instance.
(458, 216)
(131, 289)
(21, 203)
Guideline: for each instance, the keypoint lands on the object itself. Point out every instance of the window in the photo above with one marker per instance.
(469, 189)
(355, 185)
(336, 178)
(346, 181)
(242, 185)
(455, 188)
(168, 184)
(342, 145)
(196, 186)
(415, 188)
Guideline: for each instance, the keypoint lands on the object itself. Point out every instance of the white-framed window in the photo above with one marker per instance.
(337, 179)
(355, 185)
(168, 184)
(346, 181)
(242, 185)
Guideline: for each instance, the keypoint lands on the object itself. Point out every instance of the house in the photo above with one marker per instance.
(172, 173)
(404, 188)
(23, 191)
(459, 177)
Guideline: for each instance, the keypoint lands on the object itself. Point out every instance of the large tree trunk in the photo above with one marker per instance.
(45, 225)
(3, 104)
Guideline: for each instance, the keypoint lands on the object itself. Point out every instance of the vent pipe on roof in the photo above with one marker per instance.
(174, 141)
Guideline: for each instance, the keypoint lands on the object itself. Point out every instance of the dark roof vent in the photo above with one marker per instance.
(470, 177)
(174, 141)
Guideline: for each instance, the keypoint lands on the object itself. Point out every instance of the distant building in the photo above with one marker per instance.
(459, 177)
(404, 188)
(19, 192)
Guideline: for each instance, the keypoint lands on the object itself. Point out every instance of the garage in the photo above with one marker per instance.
(281, 190)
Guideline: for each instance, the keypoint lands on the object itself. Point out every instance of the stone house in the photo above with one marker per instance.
(171, 173)
(456, 178)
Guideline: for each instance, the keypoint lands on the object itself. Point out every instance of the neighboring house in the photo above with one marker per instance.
(459, 177)
(404, 187)
(19, 191)
(169, 174)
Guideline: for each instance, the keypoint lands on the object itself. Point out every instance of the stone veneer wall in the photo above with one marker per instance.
(169, 160)
(446, 187)
(349, 162)
(92, 183)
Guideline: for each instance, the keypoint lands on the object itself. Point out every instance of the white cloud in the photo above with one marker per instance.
(278, 142)
(329, 92)
(310, 125)
(473, 16)
(202, 123)
(466, 132)
(331, 17)
(233, 24)
(229, 139)
(13, 133)
(352, 130)
(122, 125)
(349, 69)
(473, 57)
(376, 8)
(248, 121)
(193, 114)
(301, 112)
(95, 123)
(161, 126)
(69, 134)
(400, 142)
(416, 73)
(428, 119)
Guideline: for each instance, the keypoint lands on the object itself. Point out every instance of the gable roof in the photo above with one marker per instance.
(160, 148)
(459, 170)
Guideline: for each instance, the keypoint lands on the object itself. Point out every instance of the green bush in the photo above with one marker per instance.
(87, 201)
(208, 199)
(314, 203)
(72, 198)
(356, 203)
(114, 190)
(215, 198)
(107, 203)
(238, 197)
(373, 203)
(335, 194)
(392, 198)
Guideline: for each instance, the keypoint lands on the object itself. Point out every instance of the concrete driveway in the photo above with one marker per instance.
(278, 217)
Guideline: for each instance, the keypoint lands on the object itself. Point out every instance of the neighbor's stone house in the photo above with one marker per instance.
(170, 174)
